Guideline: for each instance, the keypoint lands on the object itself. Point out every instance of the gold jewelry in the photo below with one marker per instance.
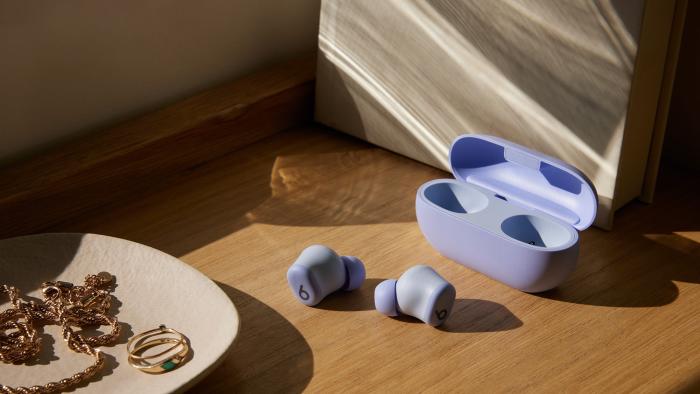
(22, 342)
(65, 305)
(166, 360)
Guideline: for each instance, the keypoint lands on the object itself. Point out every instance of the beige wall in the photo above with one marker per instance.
(74, 66)
(553, 76)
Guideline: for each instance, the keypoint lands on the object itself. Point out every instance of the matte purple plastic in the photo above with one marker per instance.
(319, 271)
(354, 271)
(526, 176)
(385, 297)
(511, 213)
(422, 293)
(302, 285)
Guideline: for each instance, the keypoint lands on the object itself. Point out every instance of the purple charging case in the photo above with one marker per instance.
(510, 213)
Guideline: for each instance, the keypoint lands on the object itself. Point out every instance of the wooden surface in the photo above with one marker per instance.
(26, 262)
(626, 320)
(129, 159)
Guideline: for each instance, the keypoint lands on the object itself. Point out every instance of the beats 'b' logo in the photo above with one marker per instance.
(303, 294)
(441, 314)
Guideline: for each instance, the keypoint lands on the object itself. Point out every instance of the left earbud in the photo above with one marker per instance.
(319, 271)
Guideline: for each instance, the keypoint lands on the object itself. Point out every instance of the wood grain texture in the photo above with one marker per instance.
(139, 154)
(627, 320)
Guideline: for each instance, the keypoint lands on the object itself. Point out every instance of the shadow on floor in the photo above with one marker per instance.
(473, 315)
(361, 299)
(269, 354)
(637, 263)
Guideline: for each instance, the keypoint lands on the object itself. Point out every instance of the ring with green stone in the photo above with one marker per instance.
(163, 361)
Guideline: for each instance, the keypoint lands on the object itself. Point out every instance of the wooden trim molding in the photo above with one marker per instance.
(121, 162)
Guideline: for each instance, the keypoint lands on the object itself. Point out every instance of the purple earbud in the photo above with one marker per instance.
(420, 292)
(319, 271)
(385, 297)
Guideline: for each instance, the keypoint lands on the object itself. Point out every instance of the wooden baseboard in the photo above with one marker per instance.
(119, 163)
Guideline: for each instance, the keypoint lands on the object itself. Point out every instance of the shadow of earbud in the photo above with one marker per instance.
(468, 315)
(361, 299)
(473, 315)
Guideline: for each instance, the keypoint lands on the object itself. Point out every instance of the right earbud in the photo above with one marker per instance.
(319, 271)
(420, 292)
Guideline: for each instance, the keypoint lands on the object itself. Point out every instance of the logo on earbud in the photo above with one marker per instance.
(441, 314)
(303, 294)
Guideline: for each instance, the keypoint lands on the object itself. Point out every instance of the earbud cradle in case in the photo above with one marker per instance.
(510, 213)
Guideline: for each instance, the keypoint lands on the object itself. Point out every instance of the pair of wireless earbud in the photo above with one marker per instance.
(420, 292)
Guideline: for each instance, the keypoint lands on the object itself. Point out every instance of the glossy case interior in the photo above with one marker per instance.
(523, 205)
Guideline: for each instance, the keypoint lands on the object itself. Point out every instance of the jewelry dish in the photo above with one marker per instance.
(151, 288)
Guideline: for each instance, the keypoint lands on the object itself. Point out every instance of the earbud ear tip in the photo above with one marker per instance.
(355, 273)
(385, 297)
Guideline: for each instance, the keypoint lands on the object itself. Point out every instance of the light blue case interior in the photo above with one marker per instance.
(511, 212)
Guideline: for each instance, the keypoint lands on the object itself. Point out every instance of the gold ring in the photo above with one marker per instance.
(163, 361)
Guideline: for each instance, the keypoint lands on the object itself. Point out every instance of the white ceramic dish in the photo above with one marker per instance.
(151, 288)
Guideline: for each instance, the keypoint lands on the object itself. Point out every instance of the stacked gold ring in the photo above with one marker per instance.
(159, 362)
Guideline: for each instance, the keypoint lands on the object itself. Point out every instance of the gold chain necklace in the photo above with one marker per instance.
(65, 305)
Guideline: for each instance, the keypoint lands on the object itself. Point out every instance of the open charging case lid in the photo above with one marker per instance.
(526, 177)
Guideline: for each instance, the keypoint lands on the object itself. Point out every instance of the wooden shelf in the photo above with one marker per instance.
(134, 157)
(627, 320)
